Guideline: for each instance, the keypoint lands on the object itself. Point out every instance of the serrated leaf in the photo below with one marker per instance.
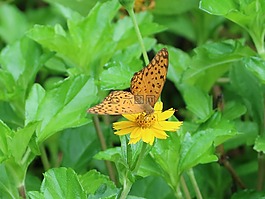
(67, 103)
(82, 47)
(101, 183)
(62, 183)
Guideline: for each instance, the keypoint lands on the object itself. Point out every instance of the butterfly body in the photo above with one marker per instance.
(146, 87)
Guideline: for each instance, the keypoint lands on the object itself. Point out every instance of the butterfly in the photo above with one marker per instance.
(146, 87)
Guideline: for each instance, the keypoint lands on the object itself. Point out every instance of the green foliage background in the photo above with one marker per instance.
(60, 57)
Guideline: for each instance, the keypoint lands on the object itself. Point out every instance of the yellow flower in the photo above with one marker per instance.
(147, 126)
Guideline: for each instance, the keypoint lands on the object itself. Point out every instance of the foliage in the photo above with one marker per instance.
(58, 58)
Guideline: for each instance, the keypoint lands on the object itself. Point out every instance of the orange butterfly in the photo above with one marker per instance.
(146, 87)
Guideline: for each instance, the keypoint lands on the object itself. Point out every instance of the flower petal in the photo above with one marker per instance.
(130, 117)
(134, 140)
(158, 106)
(123, 124)
(160, 134)
(124, 131)
(136, 133)
(167, 125)
(165, 115)
(148, 136)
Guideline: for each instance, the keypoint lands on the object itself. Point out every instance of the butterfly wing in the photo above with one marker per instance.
(147, 84)
(117, 103)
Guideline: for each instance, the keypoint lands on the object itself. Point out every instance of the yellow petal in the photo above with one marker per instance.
(158, 106)
(130, 117)
(159, 134)
(148, 136)
(136, 133)
(134, 140)
(167, 125)
(165, 115)
(123, 124)
(124, 131)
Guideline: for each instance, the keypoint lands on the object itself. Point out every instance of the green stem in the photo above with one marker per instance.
(127, 185)
(184, 188)
(194, 184)
(139, 36)
(44, 158)
(140, 158)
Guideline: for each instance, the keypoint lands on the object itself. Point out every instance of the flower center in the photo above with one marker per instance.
(145, 120)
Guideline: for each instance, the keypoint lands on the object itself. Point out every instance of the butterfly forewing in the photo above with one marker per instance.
(146, 87)
(117, 103)
(148, 83)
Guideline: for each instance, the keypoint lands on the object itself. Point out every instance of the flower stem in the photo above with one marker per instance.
(194, 184)
(139, 36)
(127, 185)
(140, 158)
(184, 188)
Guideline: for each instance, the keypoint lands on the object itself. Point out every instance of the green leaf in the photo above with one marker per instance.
(196, 148)
(5, 138)
(35, 195)
(82, 7)
(212, 60)
(14, 26)
(6, 85)
(122, 67)
(97, 184)
(8, 187)
(233, 110)
(260, 144)
(79, 156)
(247, 134)
(166, 155)
(248, 14)
(246, 85)
(168, 7)
(10, 116)
(124, 32)
(82, 47)
(67, 103)
(62, 183)
(22, 60)
(257, 66)
(248, 193)
(179, 61)
(112, 154)
(198, 102)
(21, 140)
(149, 187)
